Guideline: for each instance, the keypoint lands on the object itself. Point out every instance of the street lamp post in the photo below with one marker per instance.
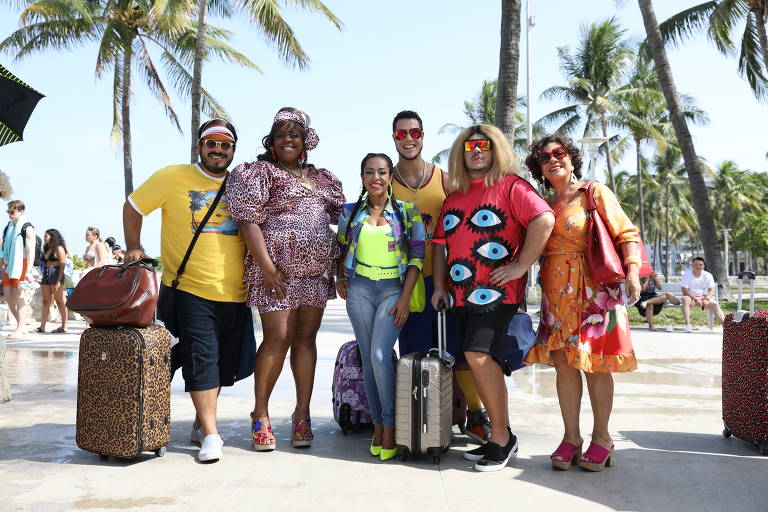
(725, 252)
(590, 146)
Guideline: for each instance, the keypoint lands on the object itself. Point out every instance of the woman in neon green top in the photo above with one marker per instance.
(382, 241)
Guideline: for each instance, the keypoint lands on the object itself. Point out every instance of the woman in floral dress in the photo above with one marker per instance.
(284, 206)
(584, 327)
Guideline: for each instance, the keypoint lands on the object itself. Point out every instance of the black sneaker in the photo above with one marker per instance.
(476, 454)
(496, 457)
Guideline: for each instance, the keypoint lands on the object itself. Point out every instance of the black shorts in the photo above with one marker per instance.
(210, 338)
(647, 296)
(484, 332)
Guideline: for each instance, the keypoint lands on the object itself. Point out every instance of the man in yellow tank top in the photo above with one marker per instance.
(424, 184)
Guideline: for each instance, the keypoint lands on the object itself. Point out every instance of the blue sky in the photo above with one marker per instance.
(427, 55)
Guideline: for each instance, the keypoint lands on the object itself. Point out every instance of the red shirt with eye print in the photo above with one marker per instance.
(482, 230)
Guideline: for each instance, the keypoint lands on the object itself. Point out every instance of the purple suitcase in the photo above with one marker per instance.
(350, 403)
(745, 372)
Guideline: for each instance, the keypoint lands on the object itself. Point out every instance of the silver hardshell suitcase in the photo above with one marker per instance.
(424, 399)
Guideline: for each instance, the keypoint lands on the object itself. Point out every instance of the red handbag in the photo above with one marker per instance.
(117, 295)
(604, 259)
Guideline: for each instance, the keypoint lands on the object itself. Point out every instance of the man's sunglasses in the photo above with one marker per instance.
(481, 144)
(415, 133)
(213, 144)
(559, 153)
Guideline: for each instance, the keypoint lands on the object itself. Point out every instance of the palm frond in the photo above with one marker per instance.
(750, 59)
(154, 82)
(683, 25)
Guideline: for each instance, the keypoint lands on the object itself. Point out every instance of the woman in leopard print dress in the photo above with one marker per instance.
(284, 207)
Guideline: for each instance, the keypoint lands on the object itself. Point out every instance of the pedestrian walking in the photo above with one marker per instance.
(55, 254)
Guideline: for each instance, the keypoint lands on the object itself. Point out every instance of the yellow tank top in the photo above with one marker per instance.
(429, 200)
(374, 248)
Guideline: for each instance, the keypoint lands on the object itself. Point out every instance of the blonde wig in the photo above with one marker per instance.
(504, 161)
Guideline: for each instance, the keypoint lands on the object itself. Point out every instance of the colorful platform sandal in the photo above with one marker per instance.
(302, 437)
(263, 440)
(566, 455)
(596, 458)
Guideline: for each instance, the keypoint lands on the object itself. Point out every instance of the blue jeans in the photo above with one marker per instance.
(368, 303)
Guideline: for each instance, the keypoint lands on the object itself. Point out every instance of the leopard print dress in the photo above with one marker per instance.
(295, 222)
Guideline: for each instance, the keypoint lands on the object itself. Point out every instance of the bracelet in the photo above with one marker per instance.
(632, 259)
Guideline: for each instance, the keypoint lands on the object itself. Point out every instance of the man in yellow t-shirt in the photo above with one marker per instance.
(213, 321)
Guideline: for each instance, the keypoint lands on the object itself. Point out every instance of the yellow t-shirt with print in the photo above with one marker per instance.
(185, 193)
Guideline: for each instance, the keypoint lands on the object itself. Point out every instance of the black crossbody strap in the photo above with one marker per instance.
(200, 227)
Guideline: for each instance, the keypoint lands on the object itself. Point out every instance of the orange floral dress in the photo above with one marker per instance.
(588, 322)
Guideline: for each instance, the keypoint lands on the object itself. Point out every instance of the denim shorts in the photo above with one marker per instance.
(210, 339)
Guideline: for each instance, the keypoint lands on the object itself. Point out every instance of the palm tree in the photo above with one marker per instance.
(720, 19)
(643, 114)
(509, 64)
(266, 15)
(125, 31)
(677, 117)
(482, 110)
(595, 70)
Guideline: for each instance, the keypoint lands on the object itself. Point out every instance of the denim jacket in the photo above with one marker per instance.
(410, 253)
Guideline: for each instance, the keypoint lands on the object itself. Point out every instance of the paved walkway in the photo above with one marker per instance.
(666, 423)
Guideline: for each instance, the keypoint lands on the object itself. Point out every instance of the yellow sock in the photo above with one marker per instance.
(467, 385)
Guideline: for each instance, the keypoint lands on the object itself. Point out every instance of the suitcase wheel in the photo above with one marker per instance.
(402, 454)
(726, 432)
(103, 457)
(160, 452)
(763, 448)
(436, 460)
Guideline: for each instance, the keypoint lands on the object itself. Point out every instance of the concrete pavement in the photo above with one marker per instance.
(670, 453)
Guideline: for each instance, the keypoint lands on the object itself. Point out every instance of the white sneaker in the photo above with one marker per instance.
(688, 328)
(196, 436)
(670, 329)
(210, 448)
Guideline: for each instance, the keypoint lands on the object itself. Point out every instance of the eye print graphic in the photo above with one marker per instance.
(462, 272)
(487, 218)
(492, 252)
(484, 295)
(452, 220)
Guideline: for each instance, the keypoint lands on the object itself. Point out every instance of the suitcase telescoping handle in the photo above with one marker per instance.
(747, 274)
(442, 351)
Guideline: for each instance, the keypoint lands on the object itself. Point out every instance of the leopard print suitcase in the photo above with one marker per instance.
(124, 391)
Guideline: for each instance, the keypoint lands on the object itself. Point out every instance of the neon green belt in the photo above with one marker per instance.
(376, 273)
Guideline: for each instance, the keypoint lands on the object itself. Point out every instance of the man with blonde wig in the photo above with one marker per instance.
(493, 227)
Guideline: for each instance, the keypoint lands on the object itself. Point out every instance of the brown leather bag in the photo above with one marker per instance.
(604, 258)
(115, 295)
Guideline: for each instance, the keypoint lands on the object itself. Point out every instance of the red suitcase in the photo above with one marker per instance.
(745, 372)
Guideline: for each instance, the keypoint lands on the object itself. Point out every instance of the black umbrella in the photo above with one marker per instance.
(17, 101)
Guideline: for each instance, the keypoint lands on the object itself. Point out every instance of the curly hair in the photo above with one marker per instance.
(269, 140)
(532, 160)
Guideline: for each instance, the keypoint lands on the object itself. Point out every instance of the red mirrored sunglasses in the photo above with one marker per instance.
(482, 144)
(415, 133)
(559, 153)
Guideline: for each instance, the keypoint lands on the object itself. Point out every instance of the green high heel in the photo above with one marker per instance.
(375, 450)
(387, 454)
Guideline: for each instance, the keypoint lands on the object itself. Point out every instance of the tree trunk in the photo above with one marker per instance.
(692, 168)
(197, 78)
(666, 233)
(604, 125)
(759, 10)
(509, 64)
(125, 114)
(640, 200)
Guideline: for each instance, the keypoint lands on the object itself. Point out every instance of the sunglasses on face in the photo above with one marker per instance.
(481, 144)
(213, 144)
(559, 153)
(415, 133)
